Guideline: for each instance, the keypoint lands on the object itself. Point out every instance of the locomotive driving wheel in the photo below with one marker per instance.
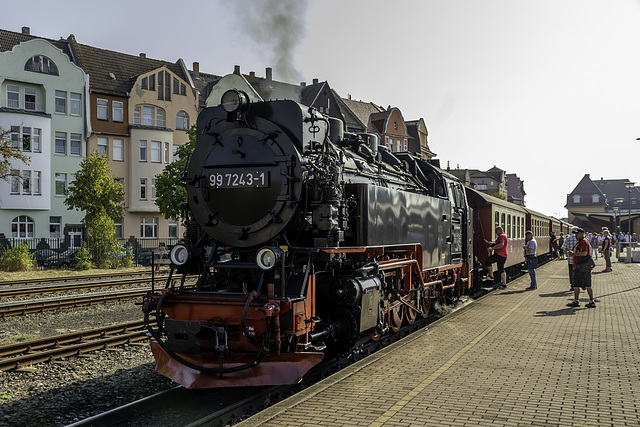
(425, 302)
(396, 316)
(410, 314)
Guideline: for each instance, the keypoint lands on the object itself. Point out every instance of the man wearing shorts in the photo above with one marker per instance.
(581, 276)
(499, 256)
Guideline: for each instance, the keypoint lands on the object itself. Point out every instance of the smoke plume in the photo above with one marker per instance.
(274, 27)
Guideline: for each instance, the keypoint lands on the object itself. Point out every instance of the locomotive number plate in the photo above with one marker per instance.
(245, 179)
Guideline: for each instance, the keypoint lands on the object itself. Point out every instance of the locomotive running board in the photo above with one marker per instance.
(287, 368)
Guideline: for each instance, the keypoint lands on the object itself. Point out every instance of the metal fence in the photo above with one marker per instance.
(56, 253)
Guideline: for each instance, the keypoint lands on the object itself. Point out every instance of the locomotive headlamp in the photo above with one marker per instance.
(179, 254)
(233, 100)
(267, 257)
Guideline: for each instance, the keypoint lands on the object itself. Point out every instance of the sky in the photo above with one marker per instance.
(546, 89)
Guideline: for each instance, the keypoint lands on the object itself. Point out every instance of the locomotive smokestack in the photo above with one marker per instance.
(269, 74)
(196, 69)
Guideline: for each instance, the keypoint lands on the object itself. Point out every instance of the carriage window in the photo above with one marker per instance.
(508, 230)
(502, 222)
(497, 220)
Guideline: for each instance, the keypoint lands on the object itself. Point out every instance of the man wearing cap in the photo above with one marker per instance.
(569, 243)
(581, 274)
(499, 256)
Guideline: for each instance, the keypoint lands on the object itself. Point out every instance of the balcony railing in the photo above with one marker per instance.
(149, 122)
(28, 106)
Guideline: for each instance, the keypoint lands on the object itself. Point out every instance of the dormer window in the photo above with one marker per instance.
(41, 64)
(576, 198)
(595, 198)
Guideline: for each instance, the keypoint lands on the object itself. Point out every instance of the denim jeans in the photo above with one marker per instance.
(532, 274)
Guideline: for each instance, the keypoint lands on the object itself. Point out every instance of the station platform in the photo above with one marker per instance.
(514, 357)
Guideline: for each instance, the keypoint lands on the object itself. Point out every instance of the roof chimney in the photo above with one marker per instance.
(236, 69)
(196, 69)
(303, 84)
(269, 74)
(315, 81)
(26, 30)
(143, 55)
(252, 73)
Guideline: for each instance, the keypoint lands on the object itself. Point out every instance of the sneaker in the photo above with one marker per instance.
(573, 304)
(503, 286)
(486, 279)
(591, 304)
(606, 270)
(532, 288)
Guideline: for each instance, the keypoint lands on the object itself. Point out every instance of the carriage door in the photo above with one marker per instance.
(458, 221)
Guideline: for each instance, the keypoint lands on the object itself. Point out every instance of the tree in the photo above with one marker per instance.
(95, 191)
(171, 193)
(7, 153)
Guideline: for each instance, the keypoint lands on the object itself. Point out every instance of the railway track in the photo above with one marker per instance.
(45, 280)
(24, 354)
(49, 304)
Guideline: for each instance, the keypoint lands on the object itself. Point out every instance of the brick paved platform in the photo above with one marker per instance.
(512, 358)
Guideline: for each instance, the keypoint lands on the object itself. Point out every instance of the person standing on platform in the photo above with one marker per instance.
(581, 270)
(606, 251)
(593, 241)
(554, 244)
(530, 247)
(569, 243)
(560, 245)
(499, 256)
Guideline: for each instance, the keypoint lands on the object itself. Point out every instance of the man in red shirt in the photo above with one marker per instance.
(581, 271)
(499, 256)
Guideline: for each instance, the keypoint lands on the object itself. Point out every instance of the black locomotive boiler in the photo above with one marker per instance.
(305, 240)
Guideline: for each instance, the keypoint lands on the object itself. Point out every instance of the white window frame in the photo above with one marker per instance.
(55, 227)
(576, 198)
(103, 146)
(143, 188)
(118, 111)
(173, 228)
(31, 105)
(75, 144)
(61, 136)
(36, 140)
(147, 116)
(29, 227)
(156, 154)
(61, 178)
(15, 181)
(102, 109)
(13, 101)
(595, 198)
(153, 188)
(36, 183)
(149, 222)
(26, 181)
(118, 150)
(182, 120)
(166, 152)
(75, 104)
(61, 102)
(143, 150)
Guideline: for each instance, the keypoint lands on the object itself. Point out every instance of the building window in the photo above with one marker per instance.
(576, 198)
(15, 181)
(153, 189)
(119, 229)
(166, 152)
(30, 99)
(143, 188)
(61, 184)
(103, 146)
(118, 149)
(595, 198)
(22, 227)
(41, 64)
(61, 143)
(152, 82)
(183, 89)
(26, 139)
(175, 152)
(37, 183)
(173, 228)
(103, 109)
(15, 137)
(75, 141)
(143, 151)
(75, 104)
(61, 102)
(147, 116)
(26, 182)
(161, 85)
(160, 118)
(149, 227)
(167, 86)
(145, 83)
(155, 151)
(176, 87)
(37, 138)
(55, 227)
(13, 96)
(182, 120)
(118, 115)
(136, 115)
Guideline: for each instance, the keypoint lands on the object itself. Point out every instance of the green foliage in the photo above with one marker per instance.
(95, 191)
(499, 196)
(103, 241)
(84, 258)
(7, 153)
(17, 258)
(170, 190)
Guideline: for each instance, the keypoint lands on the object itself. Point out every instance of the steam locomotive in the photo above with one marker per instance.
(306, 240)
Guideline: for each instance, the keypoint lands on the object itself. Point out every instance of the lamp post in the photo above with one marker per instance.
(630, 186)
